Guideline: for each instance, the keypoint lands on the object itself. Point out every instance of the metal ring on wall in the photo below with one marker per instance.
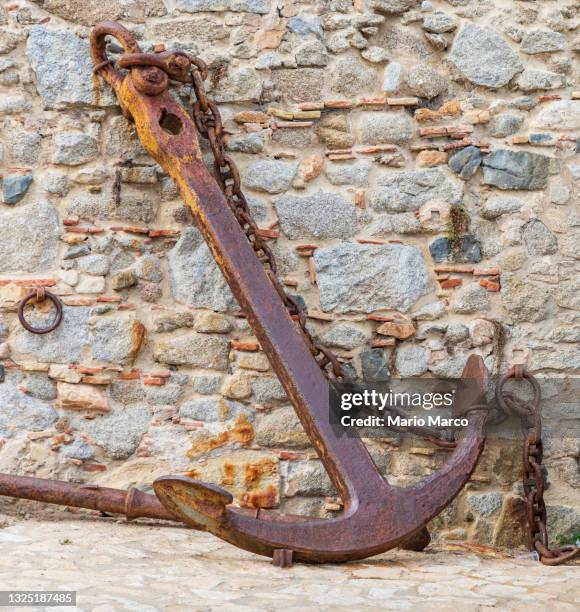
(39, 295)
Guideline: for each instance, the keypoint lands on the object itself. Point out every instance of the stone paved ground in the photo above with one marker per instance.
(140, 567)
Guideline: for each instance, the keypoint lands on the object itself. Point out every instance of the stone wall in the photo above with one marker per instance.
(428, 153)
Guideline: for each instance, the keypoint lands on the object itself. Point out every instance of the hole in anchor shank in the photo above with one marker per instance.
(170, 123)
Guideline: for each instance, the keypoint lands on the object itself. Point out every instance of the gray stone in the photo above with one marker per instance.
(565, 334)
(449, 367)
(167, 322)
(560, 115)
(356, 173)
(471, 299)
(213, 410)
(243, 85)
(485, 504)
(392, 77)
(375, 55)
(562, 358)
(543, 41)
(466, 162)
(345, 336)
(378, 128)
(203, 29)
(28, 238)
(135, 207)
(195, 349)
(64, 345)
(455, 333)
(563, 521)
(375, 365)
(118, 433)
(320, 215)
(363, 278)
(516, 170)
(22, 412)
(411, 360)
(269, 61)
(501, 205)
(426, 82)
(149, 268)
(14, 187)
(270, 175)
(570, 243)
(267, 389)
(243, 6)
(64, 69)
(301, 84)
(126, 391)
(439, 22)
(40, 386)
(409, 190)
(312, 53)
(505, 124)
(524, 301)
(90, 205)
(308, 478)
(468, 251)
(484, 57)
(10, 105)
(206, 384)
(350, 77)
(429, 312)
(281, 429)
(74, 148)
(97, 265)
(247, 143)
(303, 25)
(56, 182)
(393, 7)
(532, 80)
(195, 279)
(24, 147)
(568, 294)
(116, 340)
(121, 139)
(538, 239)
(77, 449)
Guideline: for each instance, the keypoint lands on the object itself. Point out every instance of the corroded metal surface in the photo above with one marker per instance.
(38, 296)
(377, 516)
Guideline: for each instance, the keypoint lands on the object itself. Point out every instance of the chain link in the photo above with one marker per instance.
(208, 121)
(529, 413)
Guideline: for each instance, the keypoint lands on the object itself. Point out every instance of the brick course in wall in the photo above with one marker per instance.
(415, 167)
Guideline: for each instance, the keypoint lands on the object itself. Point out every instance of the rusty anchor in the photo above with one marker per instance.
(377, 516)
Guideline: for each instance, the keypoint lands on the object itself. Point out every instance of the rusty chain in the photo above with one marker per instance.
(209, 125)
(529, 413)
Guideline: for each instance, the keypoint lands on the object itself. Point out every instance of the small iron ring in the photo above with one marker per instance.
(34, 295)
(518, 372)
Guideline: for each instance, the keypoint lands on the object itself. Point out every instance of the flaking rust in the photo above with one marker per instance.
(377, 516)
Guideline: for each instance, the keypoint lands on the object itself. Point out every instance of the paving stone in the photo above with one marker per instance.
(363, 278)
